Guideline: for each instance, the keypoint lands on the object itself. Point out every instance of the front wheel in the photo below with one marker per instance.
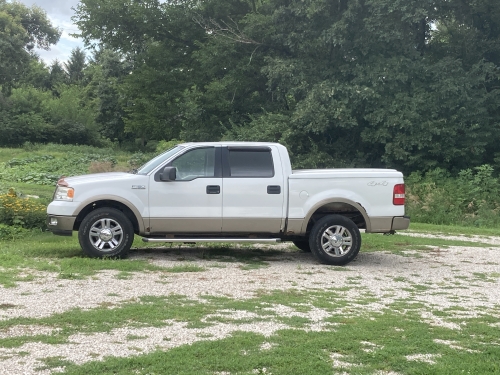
(106, 232)
(335, 240)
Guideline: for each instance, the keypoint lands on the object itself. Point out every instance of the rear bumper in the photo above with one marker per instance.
(400, 223)
(61, 225)
(387, 224)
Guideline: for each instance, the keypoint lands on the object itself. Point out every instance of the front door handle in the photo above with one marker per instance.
(213, 189)
(273, 189)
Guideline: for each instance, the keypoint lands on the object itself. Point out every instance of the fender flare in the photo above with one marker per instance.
(108, 197)
(324, 202)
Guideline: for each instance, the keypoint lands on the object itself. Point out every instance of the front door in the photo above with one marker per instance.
(192, 203)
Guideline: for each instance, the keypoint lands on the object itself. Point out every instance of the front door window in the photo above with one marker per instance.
(195, 164)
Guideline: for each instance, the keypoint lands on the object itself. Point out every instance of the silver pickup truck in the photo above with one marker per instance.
(231, 192)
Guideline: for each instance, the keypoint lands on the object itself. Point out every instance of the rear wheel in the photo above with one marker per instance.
(303, 245)
(335, 240)
(106, 232)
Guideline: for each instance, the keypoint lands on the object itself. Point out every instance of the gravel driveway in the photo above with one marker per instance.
(455, 275)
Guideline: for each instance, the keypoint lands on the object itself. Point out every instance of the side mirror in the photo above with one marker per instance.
(168, 174)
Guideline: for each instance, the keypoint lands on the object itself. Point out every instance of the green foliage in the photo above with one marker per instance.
(103, 77)
(46, 170)
(21, 211)
(163, 146)
(75, 65)
(471, 198)
(34, 159)
(57, 75)
(21, 29)
(341, 83)
(9, 232)
(46, 164)
(137, 159)
(34, 115)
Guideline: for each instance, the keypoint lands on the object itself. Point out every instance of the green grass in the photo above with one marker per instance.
(383, 342)
(52, 363)
(452, 229)
(407, 245)
(42, 251)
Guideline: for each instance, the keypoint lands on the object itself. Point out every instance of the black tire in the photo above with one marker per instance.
(335, 240)
(106, 232)
(303, 245)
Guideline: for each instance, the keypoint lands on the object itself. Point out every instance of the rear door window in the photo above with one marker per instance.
(250, 163)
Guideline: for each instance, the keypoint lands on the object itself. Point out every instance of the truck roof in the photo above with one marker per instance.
(231, 143)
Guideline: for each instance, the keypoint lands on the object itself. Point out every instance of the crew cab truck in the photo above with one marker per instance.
(229, 192)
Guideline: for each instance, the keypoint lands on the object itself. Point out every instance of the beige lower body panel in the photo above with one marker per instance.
(214, 225)
(251, 225)
(294, 227)
(387, 224)
(185, 225)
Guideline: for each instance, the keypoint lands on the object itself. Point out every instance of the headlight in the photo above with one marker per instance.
(64, 194)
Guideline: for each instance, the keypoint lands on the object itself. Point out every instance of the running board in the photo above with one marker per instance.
(182, 240)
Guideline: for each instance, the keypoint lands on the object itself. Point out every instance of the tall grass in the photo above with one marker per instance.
(470, 199)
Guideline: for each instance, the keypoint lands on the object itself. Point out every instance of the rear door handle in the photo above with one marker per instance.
(273, 189)
(213, 189)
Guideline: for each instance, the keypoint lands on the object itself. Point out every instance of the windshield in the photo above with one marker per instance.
(153, 163)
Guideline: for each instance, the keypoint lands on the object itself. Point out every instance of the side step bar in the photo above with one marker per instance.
(182, 240)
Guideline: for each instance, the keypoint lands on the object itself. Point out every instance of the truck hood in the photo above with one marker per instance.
(101, 178)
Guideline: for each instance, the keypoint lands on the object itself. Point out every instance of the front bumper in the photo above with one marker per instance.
(61, 225)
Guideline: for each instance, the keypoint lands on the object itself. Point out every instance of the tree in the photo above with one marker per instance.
(365, 83)
(57, 75)
(21, 30)
(75, 65)
(37, 74)
(397, 83)
(106, 73)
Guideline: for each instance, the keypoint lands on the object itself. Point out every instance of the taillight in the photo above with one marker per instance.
(399, 195)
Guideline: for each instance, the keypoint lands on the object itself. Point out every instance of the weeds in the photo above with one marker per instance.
(472, 198)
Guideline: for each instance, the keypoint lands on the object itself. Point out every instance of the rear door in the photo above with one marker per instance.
(252, 190)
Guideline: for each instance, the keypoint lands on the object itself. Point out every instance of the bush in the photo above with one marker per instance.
(472, 198)
(138, 159)
(22, 212)
(8, 232)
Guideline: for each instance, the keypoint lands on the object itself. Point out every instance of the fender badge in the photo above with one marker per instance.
(378, 183)
(138, 187)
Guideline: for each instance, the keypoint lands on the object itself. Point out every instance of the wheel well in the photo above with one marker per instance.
(107, 203)
(337, 208)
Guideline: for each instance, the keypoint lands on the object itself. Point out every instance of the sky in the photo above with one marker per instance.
(59, 13)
